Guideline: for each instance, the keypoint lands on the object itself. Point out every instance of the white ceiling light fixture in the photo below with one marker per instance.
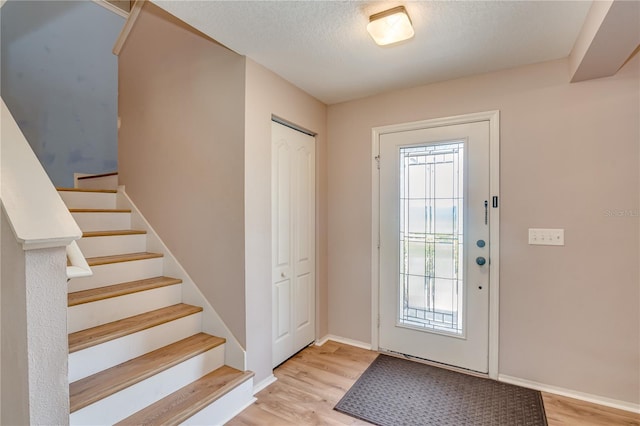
(390, 26)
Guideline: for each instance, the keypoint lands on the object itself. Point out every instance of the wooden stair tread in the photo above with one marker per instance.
(101, 293)
(117, 258)
(103, 333)
(106, 191)
(177, 407)
(90, 389)
(100, 210)
(113, 233)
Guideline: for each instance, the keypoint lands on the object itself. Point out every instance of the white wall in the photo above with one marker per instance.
(569, 316)
(59, 79)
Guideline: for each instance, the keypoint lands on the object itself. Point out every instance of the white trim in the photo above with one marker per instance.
(582, 396)
(494, 247)
(112, 8)
(37, 215)
(264, 383)
(493, 117)
(344, 340)
(375, 238)
(289, 124)
(128, 26)
(79, 266)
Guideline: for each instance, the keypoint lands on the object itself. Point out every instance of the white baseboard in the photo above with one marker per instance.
(264, 383)
(596, 399)
(344, 340)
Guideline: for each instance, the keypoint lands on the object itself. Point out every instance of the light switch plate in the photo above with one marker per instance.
(546, 237)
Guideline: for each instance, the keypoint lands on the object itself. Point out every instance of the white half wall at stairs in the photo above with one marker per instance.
(36, 227)
(38, 217)
(235, 355)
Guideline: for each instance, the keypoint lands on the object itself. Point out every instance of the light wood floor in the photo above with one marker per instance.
(312, 382)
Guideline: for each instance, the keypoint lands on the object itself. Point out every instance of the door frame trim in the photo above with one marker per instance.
(493, 117)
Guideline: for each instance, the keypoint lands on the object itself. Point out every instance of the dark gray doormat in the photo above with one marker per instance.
(394, 391)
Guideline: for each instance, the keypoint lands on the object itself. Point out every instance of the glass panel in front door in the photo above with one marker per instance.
(431, 237)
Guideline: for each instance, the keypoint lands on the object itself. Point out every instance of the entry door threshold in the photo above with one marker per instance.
(433, 363)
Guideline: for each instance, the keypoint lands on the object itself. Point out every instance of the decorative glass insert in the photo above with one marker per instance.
(431, 237)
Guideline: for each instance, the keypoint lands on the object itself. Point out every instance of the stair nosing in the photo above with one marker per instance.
(202, 401)
(126, 379)
(115, 233)
(116, 290)
(120, 258)
(102, 191)
(100, 334)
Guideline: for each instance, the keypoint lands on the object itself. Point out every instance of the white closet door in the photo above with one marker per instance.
(293, 241)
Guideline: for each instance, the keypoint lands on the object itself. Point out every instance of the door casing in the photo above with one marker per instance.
(493, 117)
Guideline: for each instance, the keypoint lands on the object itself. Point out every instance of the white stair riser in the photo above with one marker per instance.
(134, 398)
(88, 200)
(106, 355)
(102, 221)
(225, 408)
(113, 244)
(87, 315)
(115, 273)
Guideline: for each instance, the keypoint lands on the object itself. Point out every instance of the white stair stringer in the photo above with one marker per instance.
(235, 355)
(87, 315)
(112, 245)
(94, 359)
(113, 273)
(126, 402)
(88, 200)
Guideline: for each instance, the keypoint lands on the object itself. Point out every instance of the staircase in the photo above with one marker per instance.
(137, 353)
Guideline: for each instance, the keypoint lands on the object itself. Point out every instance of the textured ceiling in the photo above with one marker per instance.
(323, 46)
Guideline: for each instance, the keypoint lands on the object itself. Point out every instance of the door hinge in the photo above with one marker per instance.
(377, 158)
(494, 203)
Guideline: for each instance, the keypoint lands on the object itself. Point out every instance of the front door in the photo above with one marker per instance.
(434, 244)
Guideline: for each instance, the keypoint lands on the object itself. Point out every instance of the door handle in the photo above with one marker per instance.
(481, 260)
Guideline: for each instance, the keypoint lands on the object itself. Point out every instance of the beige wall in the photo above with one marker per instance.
(203, 183)
(569, 316)
(181, 152)
(267, 94)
